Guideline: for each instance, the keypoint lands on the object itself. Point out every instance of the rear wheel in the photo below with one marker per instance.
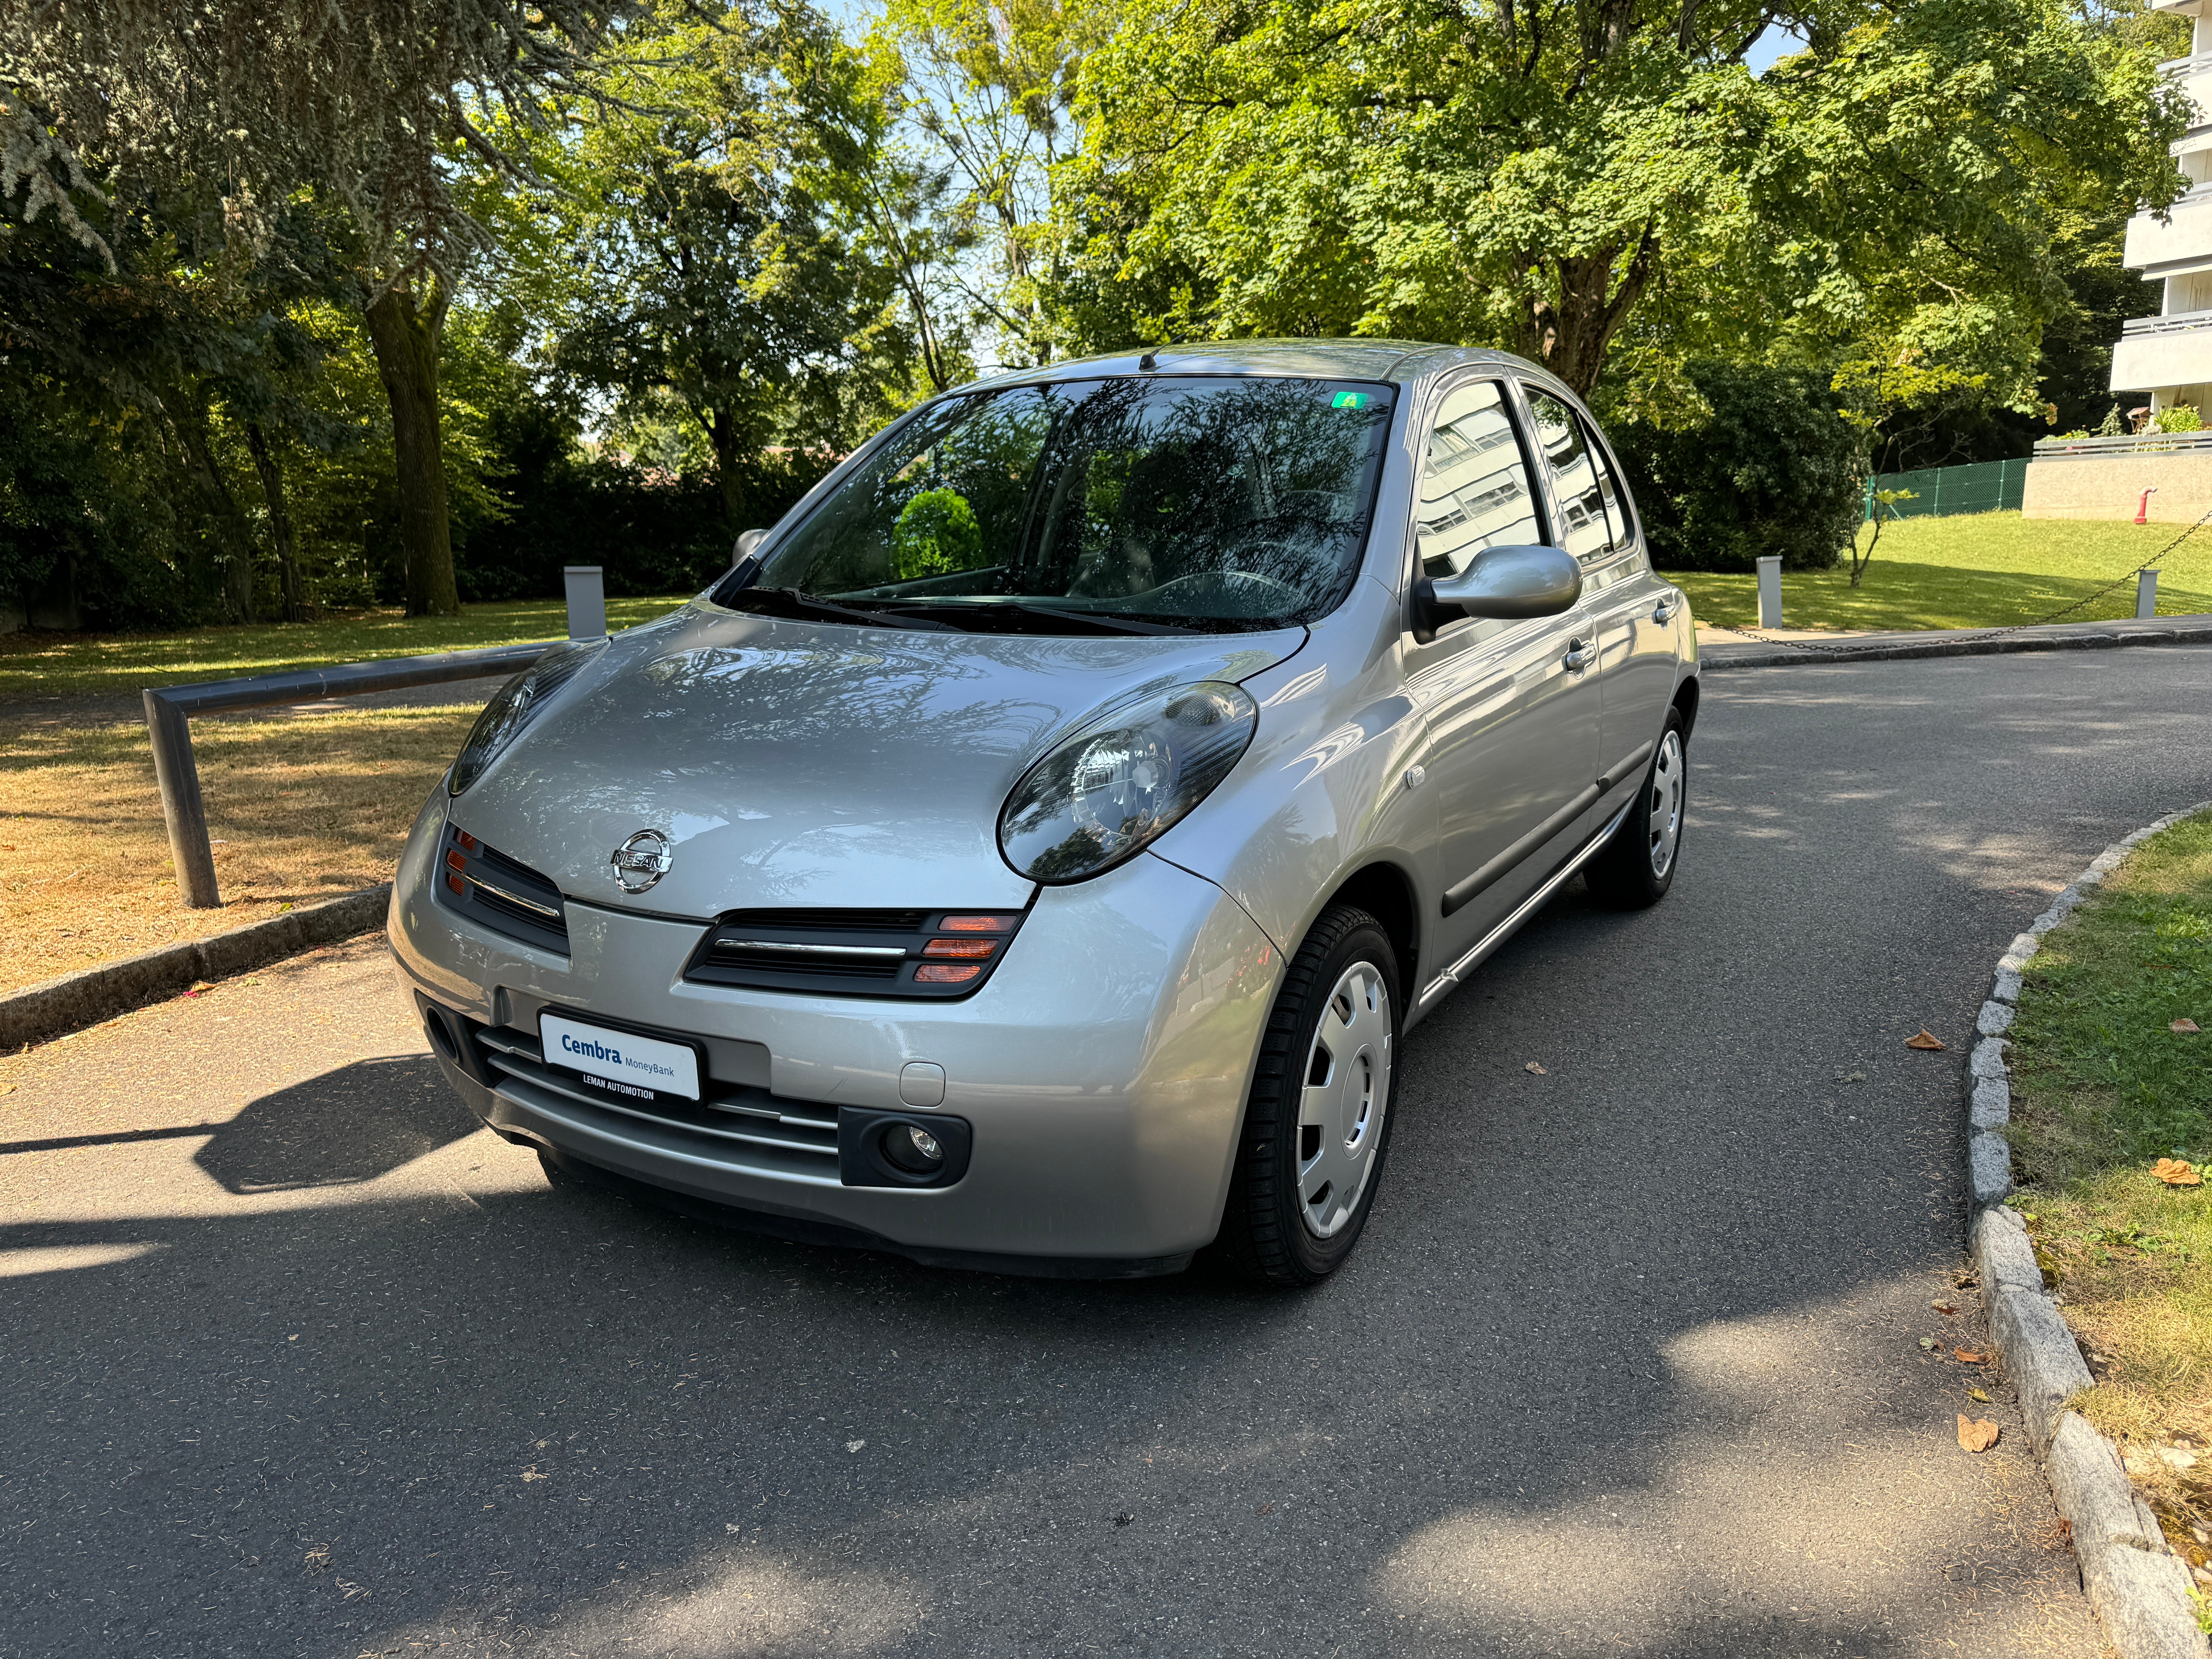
(1319, 1118)
(1638, 865)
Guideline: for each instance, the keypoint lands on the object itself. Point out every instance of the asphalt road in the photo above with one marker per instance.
(293, 1362)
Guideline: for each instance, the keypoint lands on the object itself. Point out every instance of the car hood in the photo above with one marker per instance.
(795, 763)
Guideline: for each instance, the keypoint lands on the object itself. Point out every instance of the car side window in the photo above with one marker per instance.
(1476, 490)
(1593, 525)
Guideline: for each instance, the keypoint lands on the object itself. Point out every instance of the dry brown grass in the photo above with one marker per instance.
(301, 807)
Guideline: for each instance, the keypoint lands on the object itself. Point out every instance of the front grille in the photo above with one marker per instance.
(508, 897)
(932, 955)
(733, 1123)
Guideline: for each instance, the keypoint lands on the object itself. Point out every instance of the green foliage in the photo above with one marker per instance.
(1771, 469)
(2112, 426)
(936, 534)
(1559, 183)
(2179, 418)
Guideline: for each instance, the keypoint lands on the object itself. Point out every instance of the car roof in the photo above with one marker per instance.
(1396, 362)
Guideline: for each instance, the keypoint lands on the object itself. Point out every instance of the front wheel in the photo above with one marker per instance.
(1319, 1118)
(1638, 865)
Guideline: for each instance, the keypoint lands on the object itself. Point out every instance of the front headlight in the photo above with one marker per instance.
(515, 705)
(1114, 787)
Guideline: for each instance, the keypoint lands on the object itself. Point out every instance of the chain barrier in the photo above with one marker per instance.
(1979, 633)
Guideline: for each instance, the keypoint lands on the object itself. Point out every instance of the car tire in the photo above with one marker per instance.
(1322, 1102)
(1638, 865)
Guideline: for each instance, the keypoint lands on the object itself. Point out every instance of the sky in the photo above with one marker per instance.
(1777, 42)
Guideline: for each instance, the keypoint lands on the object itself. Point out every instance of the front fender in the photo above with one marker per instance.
(1322, 793)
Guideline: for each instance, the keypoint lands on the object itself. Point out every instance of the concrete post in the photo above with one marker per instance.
(177, 776)
(587, 600)
(1770, 592)
(2146, 594)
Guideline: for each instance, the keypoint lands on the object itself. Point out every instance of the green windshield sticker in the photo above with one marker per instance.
(1351, 400)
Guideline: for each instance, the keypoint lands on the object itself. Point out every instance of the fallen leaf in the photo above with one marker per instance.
(2177, 1172)
(2184, 1025)
(1976, 1437)
(1533, 1067)
(1927, 1342)
(1944, 1307)
(1980, 1395)
(854, 1445)
(1968, 1357)
(1926, 1039)
(1265, 1507)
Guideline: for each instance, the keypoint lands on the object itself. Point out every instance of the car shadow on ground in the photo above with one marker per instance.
(340, 1129)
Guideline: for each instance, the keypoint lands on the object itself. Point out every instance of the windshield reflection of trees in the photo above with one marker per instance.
(1241, 499)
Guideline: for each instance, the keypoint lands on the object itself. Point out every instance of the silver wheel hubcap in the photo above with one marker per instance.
(1347, 1089)
(1666, 803)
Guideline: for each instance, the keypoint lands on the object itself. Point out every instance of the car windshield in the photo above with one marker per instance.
(1121, 505)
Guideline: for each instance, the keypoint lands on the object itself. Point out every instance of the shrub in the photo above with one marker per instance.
(1774, 469)
(2182, 417)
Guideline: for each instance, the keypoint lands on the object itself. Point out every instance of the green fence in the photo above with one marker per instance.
(1942, 492)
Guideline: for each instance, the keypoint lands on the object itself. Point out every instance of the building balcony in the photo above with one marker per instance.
(2181, 244)
(2163, 351)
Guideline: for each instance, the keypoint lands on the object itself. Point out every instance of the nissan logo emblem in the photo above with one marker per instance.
(642, 860)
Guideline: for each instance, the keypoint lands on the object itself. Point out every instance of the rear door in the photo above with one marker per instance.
(1631, 610)
(1512, 707)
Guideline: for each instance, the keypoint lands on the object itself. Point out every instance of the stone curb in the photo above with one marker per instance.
(75, 1000)
(2138, 1587)
(2061, 636)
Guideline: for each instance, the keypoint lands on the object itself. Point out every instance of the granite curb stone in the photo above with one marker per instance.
(2139, 1588)
(41, 1012)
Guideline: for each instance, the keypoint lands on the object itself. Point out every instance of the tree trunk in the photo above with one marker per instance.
(235, 582)
(279, 522)
(406, 329)
(722, 430)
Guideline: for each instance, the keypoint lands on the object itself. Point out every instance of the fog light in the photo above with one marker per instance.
(914, 1150)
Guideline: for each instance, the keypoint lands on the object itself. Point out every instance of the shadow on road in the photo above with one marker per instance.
(339, 1129)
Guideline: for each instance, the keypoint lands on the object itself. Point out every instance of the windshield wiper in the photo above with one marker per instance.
(805, 604)
(1105, 622)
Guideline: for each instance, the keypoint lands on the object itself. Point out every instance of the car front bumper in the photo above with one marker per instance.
(1102, 1068)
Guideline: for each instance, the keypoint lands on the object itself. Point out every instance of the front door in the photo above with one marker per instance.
(1512, 707)
(1632, 609)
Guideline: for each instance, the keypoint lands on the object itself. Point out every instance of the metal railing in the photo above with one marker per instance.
(169, 709)
(2178, 322)
(2128, 443)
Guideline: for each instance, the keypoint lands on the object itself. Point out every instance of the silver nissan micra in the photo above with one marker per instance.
(1033, 853)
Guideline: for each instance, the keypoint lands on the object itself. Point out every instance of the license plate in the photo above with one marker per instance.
(623, 1062)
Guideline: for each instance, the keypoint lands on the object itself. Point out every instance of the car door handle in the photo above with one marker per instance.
(1580, 655)
(1666, 608)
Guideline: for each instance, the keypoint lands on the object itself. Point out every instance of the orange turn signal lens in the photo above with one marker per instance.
(978, 924)
(972, 949)
(467, 840)
(945, 972)
(455, 861)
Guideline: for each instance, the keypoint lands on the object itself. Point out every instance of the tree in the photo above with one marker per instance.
(714, 265)
(1560, 176)
(371, 104)
(990, 87)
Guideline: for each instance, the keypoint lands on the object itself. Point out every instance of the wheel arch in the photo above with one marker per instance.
(1686, 702)
(1387, 893)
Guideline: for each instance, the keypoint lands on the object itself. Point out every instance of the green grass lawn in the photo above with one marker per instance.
(2103, 1088)
(1986, 570)
(34, 665)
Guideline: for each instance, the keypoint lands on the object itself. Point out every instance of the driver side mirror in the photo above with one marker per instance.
(746, 543)
(1513, 583)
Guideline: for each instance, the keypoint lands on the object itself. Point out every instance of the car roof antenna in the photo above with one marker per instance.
(1147, 363)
